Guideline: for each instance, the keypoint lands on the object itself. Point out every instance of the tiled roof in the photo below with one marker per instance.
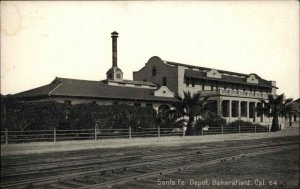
(132, 82)
(91, 89)
(226, 78)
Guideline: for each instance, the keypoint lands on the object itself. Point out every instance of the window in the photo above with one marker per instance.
(187, 82)
(145, 80)
(110, 76)
(115, 103)
(118, 76)
(164, 81)
(154, 71)
(137, 104)
(203, 86)
(149, 105)
(193, 83)
(93, 102)
(67, 102)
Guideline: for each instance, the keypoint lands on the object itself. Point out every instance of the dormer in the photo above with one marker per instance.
(214, 74)
(252, 78)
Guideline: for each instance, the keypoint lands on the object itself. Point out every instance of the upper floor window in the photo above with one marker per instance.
(187, 82)
(118, 76)
(164, 81)
(154, 71)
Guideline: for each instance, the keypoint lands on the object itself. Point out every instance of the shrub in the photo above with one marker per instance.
(46, 115)
(212, 120)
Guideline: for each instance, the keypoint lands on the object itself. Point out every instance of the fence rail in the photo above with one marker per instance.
(97, 134)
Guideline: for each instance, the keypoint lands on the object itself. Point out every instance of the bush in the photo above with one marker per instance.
(46, 115)
(212, 120)
(245, 126)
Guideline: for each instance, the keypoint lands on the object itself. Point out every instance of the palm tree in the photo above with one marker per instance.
(169, 119)
(275, 107)
(190, 106)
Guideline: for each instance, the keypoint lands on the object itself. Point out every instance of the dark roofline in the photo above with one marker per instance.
(199, 67)
(50, 90)
(131, 82)
(164, 99)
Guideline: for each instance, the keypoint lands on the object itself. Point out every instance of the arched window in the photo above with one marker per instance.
(163, 108)
(154, 71)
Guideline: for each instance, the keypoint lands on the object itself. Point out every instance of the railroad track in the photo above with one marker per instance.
(113, 172)
(21, 171)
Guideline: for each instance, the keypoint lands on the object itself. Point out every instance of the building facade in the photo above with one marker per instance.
(234, 96)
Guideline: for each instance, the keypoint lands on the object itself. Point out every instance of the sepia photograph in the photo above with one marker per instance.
(150, 94)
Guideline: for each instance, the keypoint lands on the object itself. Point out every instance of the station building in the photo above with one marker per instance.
(233, 95)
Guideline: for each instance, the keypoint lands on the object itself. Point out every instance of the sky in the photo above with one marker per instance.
(48, 39)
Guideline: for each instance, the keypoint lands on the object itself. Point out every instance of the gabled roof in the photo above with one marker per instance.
(227, 78)
(64, 87)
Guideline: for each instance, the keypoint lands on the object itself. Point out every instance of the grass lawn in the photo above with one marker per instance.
(274, 170)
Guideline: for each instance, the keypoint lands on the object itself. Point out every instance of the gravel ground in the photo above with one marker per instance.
(44, 147)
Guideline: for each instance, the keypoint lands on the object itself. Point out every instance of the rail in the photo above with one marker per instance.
(54, 135)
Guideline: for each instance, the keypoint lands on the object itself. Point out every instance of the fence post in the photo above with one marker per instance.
(95, 133)
(158, 131)
(221, 129)
(201, 130)
(183, 134)
(129, 132)
(54, 134)
(279, 127)
(269, 127)
(254, 128)
(6, 136)
(239, 128)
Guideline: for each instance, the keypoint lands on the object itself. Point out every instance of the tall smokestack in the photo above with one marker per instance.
(114, 36)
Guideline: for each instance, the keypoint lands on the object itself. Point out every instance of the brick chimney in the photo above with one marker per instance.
(114, 36)
(114, 73)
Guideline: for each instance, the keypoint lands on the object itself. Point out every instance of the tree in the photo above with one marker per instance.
(191, 106)
(169, 119)
(275, 107)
